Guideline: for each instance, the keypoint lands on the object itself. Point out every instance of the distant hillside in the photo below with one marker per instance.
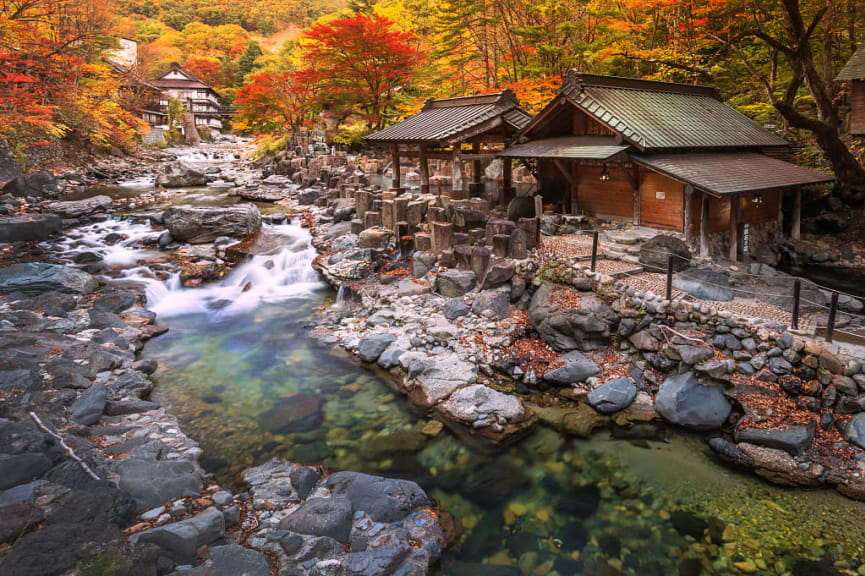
(262, 16)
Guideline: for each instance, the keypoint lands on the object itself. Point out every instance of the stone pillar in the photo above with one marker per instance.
(463, 255)
(517, 245)
(372, 219)
(480, 261)
(442, 236)
(501, 245)
(530, 227)
(424, 170)
(422, 242)
(394, 154)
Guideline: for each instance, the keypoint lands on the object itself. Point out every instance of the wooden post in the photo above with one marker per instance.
(424, 169)
(594, 249)
(670, 277)
(394, 153)
(796, 229)
(830, 323)
(704, 226)
(539, 206)
(781, 213)
(734, 228)
(575, 187)
(508, 192)
(797, 291)
(457, 178)
(636, 199)
(480, 261)
(687, 217)
(476, 186)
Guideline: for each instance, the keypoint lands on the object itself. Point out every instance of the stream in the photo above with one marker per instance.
(245, 378)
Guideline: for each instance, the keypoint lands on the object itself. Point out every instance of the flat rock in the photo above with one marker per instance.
(88, 408)
(200, 224)
(454, 283)
(22, 468)
(441, 376)
(154, 482)
(29, 227)
(468, 403)
(331, 517)
(572, 372)
(180, 541)
(79, 208)
(383, 499)
(235, 560)
(791, 439)
(34, 278)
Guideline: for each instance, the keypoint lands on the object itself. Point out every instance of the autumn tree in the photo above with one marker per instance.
(274, 103)
(360, 62)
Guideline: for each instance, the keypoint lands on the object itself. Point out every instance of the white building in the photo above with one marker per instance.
(197, 96)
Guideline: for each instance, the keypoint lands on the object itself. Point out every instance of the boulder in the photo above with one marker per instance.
(791, 439)
(383, 499)
(440, 376)
(87, 409)
(467, 404)
(28, 227)
(613, 396)
(154, 482)
(179, 175)
(499, 273)
(371, 347)
(854, 430)
(655, 252)
(235, 560)
(576, 369)
(376, 238)
(454, 308)
(588, 326)
(682, 400)
(704, 284)
(34, 278)
(39, 184)
(22, 468)
(180, 541)
(200, 224)
(492, 304)
(79, 208)
(454, 283)
(694, 354)
(330, 517)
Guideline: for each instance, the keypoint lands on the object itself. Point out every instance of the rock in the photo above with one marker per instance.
(682, 400)
(28, 227)
(154, 482)
(585, 327)
(383, 499)
(371, 347)
(468, 403)
(303, 479)
(655, 252)
(390, 358)
(411, 287)
(40, 184)
(180, 541)
(644, 341)
(331, 517)
(492, 303)
(381, 561)
(234, 560)
(375, 238)
(88, 408)
(200, 224)
(694, 354)
(19, 380)
(454, 308)
(9, 169)
(854, 430)
(79, 208)
(454, 283)
(791, 439)
(179, 175)
(16, 520)
(572, 372)
(613, 396)
(499, 273)
(704, 284)
(293, 414)
(22, 468)
(37, 277)
(440, 377)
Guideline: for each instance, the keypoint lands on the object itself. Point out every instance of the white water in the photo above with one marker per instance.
(126, 252)
(284, 275)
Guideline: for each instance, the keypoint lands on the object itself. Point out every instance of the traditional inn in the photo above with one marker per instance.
(663, 155)
(199, 98)
(854, 74)
(469, 129)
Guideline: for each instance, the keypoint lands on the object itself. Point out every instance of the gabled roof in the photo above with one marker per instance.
(567, 147)
(662, 115)
(188, 82)
(723, 173)
(854, 69)
(450, 120)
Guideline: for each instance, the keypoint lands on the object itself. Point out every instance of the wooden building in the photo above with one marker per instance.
(198, 97)
(659, 154)
(853, 73)
(468, 129)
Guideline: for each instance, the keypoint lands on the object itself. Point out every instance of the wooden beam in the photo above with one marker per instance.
(734, 228)
(704, 225)
(796, 229)
(687, 218)
(490, 124)
(439, 155)
(424, 170)
(394, 166)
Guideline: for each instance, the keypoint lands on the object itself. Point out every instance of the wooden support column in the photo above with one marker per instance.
(781, 212)
(633, 175)
(704, 226)
(687, 218)
(575, 187)
(796, 229)
(476, 164)
(457, 179)
(569, 178)
(394, 153)
(424, 169)
(734, 228)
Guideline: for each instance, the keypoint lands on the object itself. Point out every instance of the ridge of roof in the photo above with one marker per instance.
(576, 81)
(505, 98)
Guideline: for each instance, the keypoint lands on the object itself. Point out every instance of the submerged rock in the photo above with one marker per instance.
(296, 413)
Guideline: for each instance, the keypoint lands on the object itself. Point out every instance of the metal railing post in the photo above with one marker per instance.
(797, 292)
(830, 325)
(594, 249)
(670, 277)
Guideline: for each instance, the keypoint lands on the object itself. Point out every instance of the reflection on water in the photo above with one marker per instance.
(252, 384)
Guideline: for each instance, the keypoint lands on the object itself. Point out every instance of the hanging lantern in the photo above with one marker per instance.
(757, 199)
(605, 176)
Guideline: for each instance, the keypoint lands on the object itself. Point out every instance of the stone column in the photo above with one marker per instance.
(394, 153)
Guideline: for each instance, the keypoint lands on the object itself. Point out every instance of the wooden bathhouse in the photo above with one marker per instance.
(663, 155)
(468, 129)
(853, 73)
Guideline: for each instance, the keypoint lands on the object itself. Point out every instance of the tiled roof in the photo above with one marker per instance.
(854, 69)
(567, 147)
(663, 115)
(721, 173)
(443, 121)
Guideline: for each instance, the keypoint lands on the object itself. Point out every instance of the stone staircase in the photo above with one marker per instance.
(624, 244)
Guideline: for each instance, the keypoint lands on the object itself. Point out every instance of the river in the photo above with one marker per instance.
(244, 376)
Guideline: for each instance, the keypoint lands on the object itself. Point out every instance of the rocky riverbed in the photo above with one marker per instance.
(463, 421)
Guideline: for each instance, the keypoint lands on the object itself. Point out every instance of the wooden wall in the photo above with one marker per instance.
(857, 107)
(666, 212)
(612, 199)
(749, 213)
(766, 211)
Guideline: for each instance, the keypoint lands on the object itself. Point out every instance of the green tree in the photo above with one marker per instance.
(246, 62)
(176, 110)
